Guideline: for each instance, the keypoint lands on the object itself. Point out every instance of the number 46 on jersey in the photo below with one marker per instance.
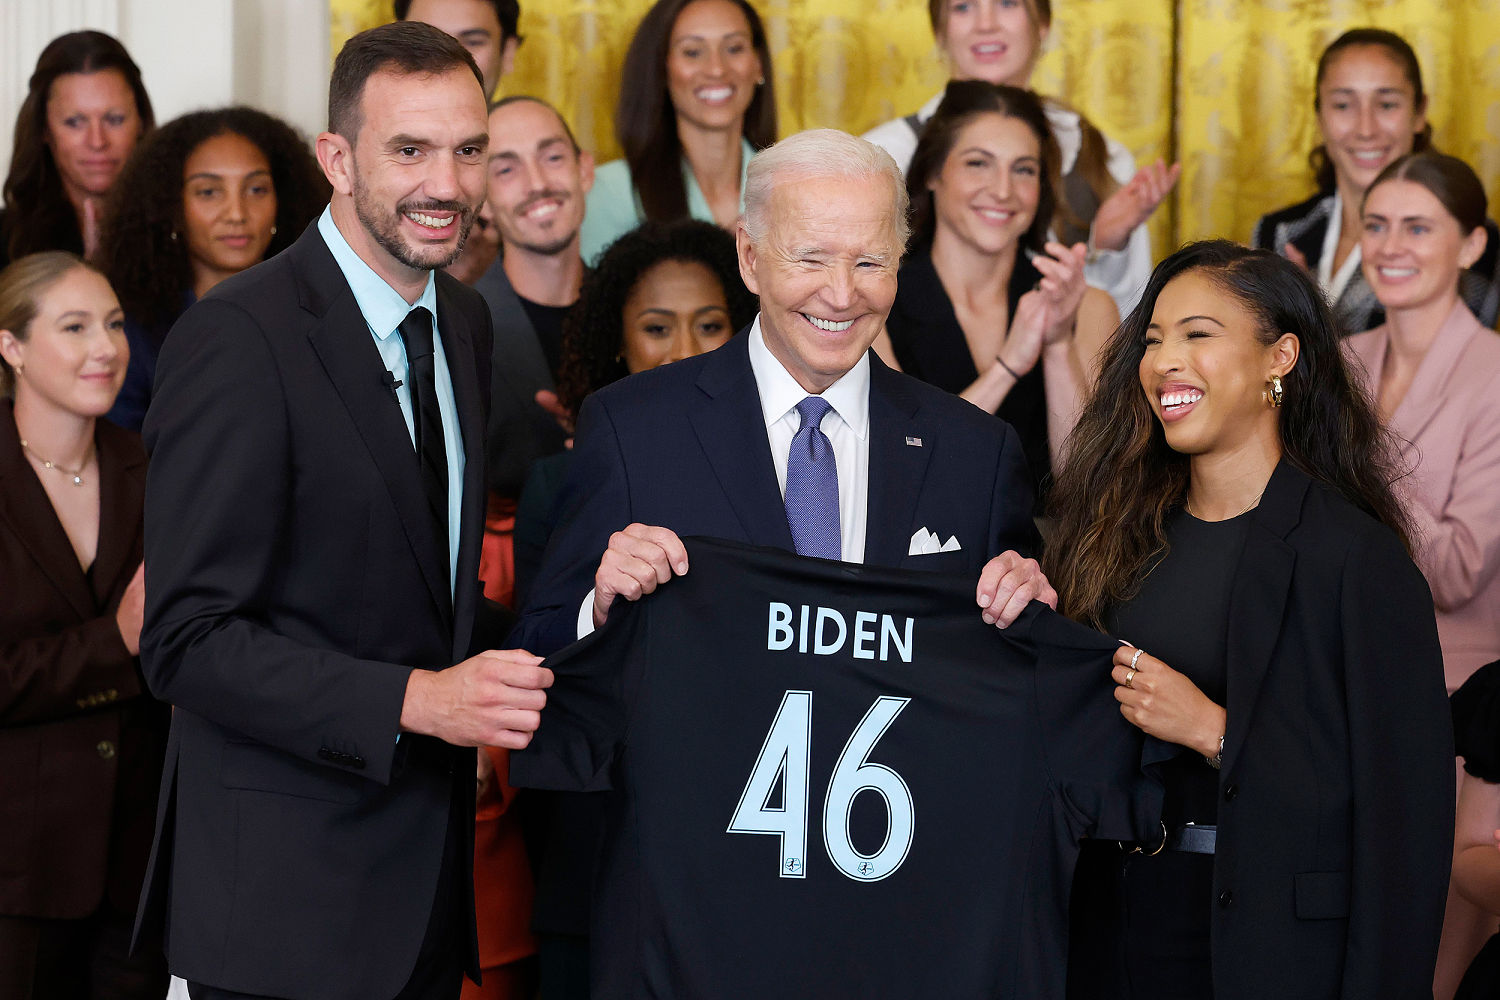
(784, 760)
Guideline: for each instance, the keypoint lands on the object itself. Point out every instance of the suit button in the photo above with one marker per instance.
(1226, 898)
(106, 749)
(1230, 791)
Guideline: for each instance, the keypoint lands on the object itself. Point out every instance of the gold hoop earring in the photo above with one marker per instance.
(1275, 391)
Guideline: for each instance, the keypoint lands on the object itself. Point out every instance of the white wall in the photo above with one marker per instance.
(272, 54)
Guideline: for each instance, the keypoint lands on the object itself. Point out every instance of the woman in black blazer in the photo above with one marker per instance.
(1226, 507)
(81, 741)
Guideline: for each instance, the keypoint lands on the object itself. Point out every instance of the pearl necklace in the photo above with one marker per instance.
(76, 474)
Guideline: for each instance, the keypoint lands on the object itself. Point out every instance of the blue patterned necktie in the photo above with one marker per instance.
(812, 485)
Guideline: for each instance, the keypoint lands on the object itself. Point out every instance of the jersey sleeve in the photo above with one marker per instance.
(1105, 768)
(585, 720)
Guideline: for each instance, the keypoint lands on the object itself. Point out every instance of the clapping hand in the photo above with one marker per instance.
(1133, 204)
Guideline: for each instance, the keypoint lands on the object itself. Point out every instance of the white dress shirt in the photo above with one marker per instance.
(1334, 282)
(847, 428)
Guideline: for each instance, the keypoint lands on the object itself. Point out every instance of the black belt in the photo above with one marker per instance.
(1193, 839)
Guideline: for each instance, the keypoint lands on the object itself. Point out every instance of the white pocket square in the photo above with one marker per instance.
(924, 543)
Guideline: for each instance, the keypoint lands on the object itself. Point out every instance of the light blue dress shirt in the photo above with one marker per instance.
(384, 309)
(614, 209)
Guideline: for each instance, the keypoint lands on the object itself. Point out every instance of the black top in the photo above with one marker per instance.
(835, 780)
(1476, 722)
(547, 321)
(930, 345)
(1181, 616)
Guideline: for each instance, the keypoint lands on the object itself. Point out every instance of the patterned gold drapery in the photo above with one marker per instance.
(1223, 85)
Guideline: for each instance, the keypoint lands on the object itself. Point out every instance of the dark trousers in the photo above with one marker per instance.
(84, 959)
(438, 974)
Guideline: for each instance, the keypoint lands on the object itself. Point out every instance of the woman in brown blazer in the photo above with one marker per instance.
(81, 741)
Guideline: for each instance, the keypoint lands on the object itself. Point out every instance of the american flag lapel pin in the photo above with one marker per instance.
(915, 442)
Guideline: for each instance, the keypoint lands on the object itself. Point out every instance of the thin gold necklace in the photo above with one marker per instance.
(1188, 504)
(76, 474)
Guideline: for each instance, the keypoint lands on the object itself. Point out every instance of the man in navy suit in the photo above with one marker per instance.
(894, 472)
(702, 447)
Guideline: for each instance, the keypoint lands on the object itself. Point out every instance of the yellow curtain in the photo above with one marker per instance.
(1223, 85)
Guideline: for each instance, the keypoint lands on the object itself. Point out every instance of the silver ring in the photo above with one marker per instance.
(1137, 656)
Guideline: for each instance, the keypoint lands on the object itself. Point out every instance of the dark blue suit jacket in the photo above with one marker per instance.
(684, 447)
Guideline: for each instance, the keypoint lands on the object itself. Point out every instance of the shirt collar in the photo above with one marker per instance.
(780, 393)
(382, 306)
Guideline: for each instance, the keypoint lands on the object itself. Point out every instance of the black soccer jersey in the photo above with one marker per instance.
(833, 781)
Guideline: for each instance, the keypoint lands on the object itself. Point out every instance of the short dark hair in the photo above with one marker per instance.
(408, 47)
(508, 12)
(518, 98)
(36, 208)
(1398, 49)
(1450, 180)
(963, 101)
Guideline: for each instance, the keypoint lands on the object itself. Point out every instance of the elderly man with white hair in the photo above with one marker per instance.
(793, 435)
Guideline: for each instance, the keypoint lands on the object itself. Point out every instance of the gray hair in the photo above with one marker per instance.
(820, 152)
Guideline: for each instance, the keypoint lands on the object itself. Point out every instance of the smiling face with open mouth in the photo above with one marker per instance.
(993, 40)
(712, 65)
(1368, 113)
(1413, 249)
(1205, 368)
(416, 173)
(825, 274)
(987, 192)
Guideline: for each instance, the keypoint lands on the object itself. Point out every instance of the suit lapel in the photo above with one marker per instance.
(1429, 388)
(732, 430)
(1257, 602)
(897, 467)
(121, 492)
(518, 353)
(458, 346)
(26, 508)
(348, 354)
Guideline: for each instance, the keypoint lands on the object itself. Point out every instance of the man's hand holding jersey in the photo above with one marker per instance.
(642, 557)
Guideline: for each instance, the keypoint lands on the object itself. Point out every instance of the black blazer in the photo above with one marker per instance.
(1305, 226)
(293, 581)
(1336, 792)
(520, 431)
(81, 741)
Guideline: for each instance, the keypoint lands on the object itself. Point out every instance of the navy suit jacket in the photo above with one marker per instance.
(684, 447)
(293, 580)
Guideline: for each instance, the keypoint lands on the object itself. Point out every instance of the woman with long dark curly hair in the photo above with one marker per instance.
(84, 111)
(205, 196)
(661, 292)
(698, 101)
(1226, 506)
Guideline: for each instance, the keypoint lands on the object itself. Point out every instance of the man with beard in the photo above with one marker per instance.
(313, 516)
(538, 180)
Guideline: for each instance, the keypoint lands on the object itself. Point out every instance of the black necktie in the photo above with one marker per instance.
(426, 418)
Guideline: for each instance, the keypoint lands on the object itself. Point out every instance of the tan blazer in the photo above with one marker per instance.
(1449, 424)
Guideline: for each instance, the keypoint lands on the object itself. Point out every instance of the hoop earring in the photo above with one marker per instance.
(1275, 392)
